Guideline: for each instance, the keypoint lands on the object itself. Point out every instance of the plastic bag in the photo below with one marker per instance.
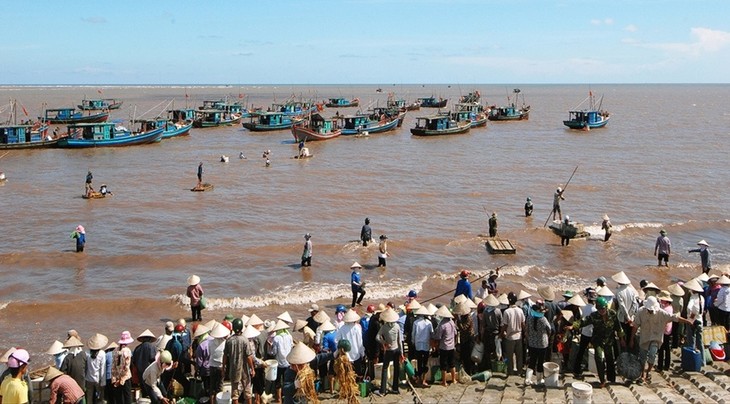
(203, 303)
(477, 353)
(498, 346)
(464, 378)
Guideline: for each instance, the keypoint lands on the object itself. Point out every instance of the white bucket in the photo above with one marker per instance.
(592, 361)
(552, 372)
(224, 397)
(143, 400)
(582, 393)
(378, 373)
(271, 367)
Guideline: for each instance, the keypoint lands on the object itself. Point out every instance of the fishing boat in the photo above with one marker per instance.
(570, 230)
(291, 107)
(209, 118)
(342, 103)
(24, 136)
(100, 104)
(472, 112)
(70, 115)
(432, 102)
(591, 118)
(269, 121)
(436, 125)
(511, 112)
(316, 127)
(106, 134)
(373, 123)
(377, 113)
(473, 97)
(169, 127)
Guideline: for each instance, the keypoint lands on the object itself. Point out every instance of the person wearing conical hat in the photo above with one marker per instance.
(662, 248)
(121, 370)
(512, 326)
(96, 368)
(695, 312)
(357, 285)
(489, 327)
(626, 300)
(665, 350)
(606, 328)
(144, 354)
(722, 301)
(421, 335)
(74, 364)
(466, 334)
(195, 293)
(281, 345)
(298, 381)
(705, 258)
(63, 387)
(586, 333)
(58, 351)
(352, 331)
(390, 338)
(607, 227)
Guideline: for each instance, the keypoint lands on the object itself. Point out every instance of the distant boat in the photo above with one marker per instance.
(100, 104)
(315, 127)
(374, 123)
(511, 112)
(290, 108)
(431, 102)
(106, 134)
(470, 111)
(269, 121)
(24, 136)
(436, 125)
(473, 97)
(590, 118)
(170, 128)
(218, 113)
(69, 115)
(342, 103)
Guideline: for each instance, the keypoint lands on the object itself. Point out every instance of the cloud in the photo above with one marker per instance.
(705, 40)
(94, 20)
(605, 21)
(241, 53)
(631, 28)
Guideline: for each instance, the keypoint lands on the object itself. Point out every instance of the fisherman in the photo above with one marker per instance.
(356, 285)
(382, 251)
(564, 238)
(366, 233)
(463, 286)
(80, 236)
(606, 225)
(89, 178)
(104, 190)
(704, 255)
(528, 207)
(664, 247)
(557, 197)
(307, 253)
(200, 173)
(493, 225)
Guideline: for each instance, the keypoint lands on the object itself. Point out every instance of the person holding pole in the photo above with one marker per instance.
(557, 197)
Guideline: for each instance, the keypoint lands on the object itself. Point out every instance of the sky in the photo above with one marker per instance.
(133, 42)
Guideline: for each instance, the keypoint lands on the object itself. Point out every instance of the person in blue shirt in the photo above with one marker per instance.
(357, 285)
(463, 287)
(80, 236)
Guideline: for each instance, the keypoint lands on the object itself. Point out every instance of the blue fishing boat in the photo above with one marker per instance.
(473, 97)
(291, 108)
(100, 104)
(342, 103)
(511, 112)
(389, 112)
(25, 137)
(360, 123)
(269, 121)
(70, 115)
(106, 134)
(436, 125)
(586, 119)
(169, 127)
(472, 112)
(432, 102)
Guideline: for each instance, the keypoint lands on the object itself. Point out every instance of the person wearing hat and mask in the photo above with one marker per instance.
(201, 341)
(662, 248)
(513, 323)
(626, 302)
(238, 363)
(216, 346)
(390, 338)
(352, 332)
(121, 370)
(156, 390)
(463, 286)
(607, 227)
(665, 350)
(557, 197)
(705, 258)
(96, 369)
(528, 207)
(281, 345)
(421, 335)
(382, 251)
(195, 293)
(14, 388)
(58, 352)
(445, 333)
(366, 234)
(606, 329)
(144, 354)
(493, 225)
(538, 330)
(74, 364)
(298, 380)
(307, 252)
(356, 285)
(80, 236)
(64, 388)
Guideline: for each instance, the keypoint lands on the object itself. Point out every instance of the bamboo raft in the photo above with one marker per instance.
(500, 246)
(202, 187)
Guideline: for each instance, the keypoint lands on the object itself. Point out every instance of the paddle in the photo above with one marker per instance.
(564, 188)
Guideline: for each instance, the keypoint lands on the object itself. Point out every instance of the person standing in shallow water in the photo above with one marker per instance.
(200, 173)
(662, 248)
(382, 251)
(607, 227)
(195, 293)
(528, 207)
(80, 235)
(493, 225)
(366, 233)
(356, 285)
(307, 253)
(704, 255)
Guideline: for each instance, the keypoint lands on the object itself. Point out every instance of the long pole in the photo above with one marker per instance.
(449, 291)
(564, 188)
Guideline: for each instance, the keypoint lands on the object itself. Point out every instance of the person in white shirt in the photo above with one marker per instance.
(483, 290)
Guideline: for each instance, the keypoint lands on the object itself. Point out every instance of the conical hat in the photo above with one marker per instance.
(351, 316)
(491, 301)
(56, 348)
(97, 341)
(460, 298)
(389, 316)
(665, 296)
(51, 374)
(621, 278)
(723, 280)
(220, 331)
(703, 242)
(444, 312)
(567, 314)
(423, 311)
(211, 324)
(72, 342)
(503, 299)
(327, 326)
(431, 308)
(693, 285)
(604, 291)
(308, 332)
(244, 319)
(280, 325)
(112, 345)
(355, 265)
(703, 277)
(299, 324)
(201, 330)
(193, 280)
(523, 295)
(321, 317)
(300, 354)
(462, 309)
(546, 292)
(145, 334)
(576, 300)
(414, 305)
(470, 304)
(285, 317)
(251, 332)
(254, 320)
(651, 285)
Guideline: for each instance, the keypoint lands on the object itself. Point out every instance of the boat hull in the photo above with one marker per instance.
(175, 131)
(257, 127)
(379, 128)
(152, 136)
(303, 134)
(95, 118)
(450, 131)
(582, 124)
(480, 122)
(519, 117)
(43, 144)
(211, 124)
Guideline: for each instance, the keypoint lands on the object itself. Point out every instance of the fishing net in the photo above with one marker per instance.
(345, 376)
(306, 391)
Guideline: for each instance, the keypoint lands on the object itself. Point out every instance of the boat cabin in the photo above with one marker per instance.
(273, 119)
(356, 122)
(339, 102)
(589, 117)
(61, 113)
(93, 104)
(95, 131)
(18, 134)
(181, 115)
(319, 124)
(436, 122)
(146, 125)
(393, 103)
(463, 115)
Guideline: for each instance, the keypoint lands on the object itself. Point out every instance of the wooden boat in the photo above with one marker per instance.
(342, 103)
(202, 187)
(436, 125)
(511, 112)
(316, 127)
(431, 102)
(24, 136)
(473, 97)
(472, 112)
(100, 104)
(590, 118)
(377, 113)
(571, 230)
(69, 115)
(178, 123)
(209, 118)
(106, 134)
(93, 195)
(373, 123)
(269, 121)
(170, 129)
(290, 108)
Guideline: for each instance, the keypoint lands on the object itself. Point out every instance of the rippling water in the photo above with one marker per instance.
(660, 163)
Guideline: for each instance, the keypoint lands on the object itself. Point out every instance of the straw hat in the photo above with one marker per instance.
(321, 317)
(313, 307)
(56, 348)
(6, 355)
(676, 290)
(576, 300)
(97, 341)
(413, 305)
(546, 292)
(254, 320)
(523, 295)
(694, 286)
(355, 265)
(651, 285)
(621, 278)
(431, 308)
(244, 319)
(605, 217)
(502, 299)
(351, 316)
(201, 330)
(327, 326)
(285, 317)
(604, 291)
(300, 354)
(664, 296)
(703, 277)
(220, 331)
(72, 342)
(251, 332)
(389, 316)
(51, 374)
(145, 334)
(423, 311)
(193, 280)
(470, 304)
(112, 345)
(491, 301)
(444, 312)
(703, 242)
(723, 280)
(125, 338)
(211, 324)
(280, 325)
(462, 309)
(567, 314)
(299, 324)
(459, 299)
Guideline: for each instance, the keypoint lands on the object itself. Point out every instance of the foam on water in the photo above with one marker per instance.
(4, 304)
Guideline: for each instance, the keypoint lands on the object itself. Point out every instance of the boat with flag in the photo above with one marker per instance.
(218, 113)
(270, 121)
(100, 104)
(106, 134)
(436, 125)
(27, 135)
(511, 111)
(70, 115)
(316, 127)
(342, 102)
(377, 122)
(592, 117)
(432, 102)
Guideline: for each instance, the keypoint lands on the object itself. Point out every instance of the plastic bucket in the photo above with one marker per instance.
(271, 367)
(552, 372)
(224, 397)
(582, 393)
(143, 400)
